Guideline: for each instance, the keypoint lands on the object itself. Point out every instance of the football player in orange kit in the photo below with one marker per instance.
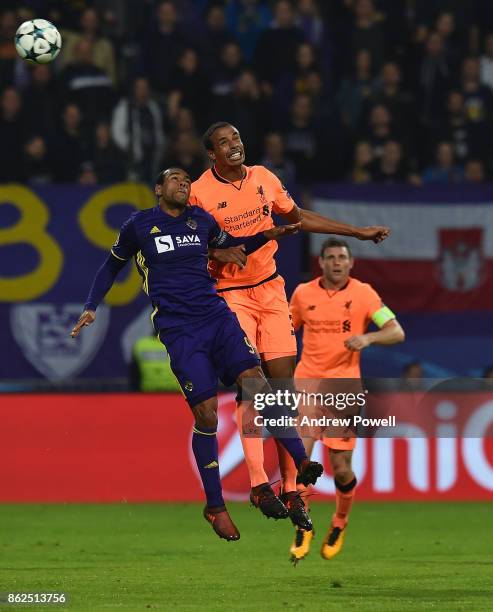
(242, 198)
(335, 311)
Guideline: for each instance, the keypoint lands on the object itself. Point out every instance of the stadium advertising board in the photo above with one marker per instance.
(117, 448)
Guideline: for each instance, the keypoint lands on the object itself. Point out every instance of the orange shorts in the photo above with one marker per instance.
(263, 313)
(339, 443)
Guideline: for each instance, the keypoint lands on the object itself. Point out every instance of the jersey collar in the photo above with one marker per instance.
(332, 292)
(187, 211)
(219, 178)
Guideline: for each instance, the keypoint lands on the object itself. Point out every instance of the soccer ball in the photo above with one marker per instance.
(38, 41)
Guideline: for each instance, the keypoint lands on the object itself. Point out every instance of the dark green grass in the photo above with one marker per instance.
(136, 557)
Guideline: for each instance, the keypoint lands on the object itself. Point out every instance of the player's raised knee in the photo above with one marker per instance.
(205, 414)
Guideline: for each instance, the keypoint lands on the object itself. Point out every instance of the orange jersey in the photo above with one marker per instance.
(243, 208)
(328, 319)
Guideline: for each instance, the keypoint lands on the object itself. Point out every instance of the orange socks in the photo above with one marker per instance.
(253, 449)
(344, 501)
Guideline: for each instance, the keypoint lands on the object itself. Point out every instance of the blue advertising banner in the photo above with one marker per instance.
(52, 241)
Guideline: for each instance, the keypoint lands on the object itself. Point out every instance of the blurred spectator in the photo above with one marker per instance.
(434, 79)
(87, 175)
(478, 99)
(69, 149)
(390, 168)
(412, 377)
(456, 129)
(12, 136)
(356, 90)
(184, 121)
(41, 99)
(380, 129)
(363, 158)
(225, 76)
(246, 112)
(368, 32)
(488, 372)
(36, 162)
(137, 129)
(215, 37)
(277, 46)
(246, 20)
(109, 162)
(388, 91)
(486, 63)
(189, 87)
(445, 170)
(8, 54)
(311, 22)
(186, 153)
(301, 138)
(452, 41)
(474, 171)
(102, 53)
(86, 85)
(275, 159)
(163, 46)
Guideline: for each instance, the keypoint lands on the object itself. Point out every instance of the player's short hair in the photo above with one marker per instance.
(334, 242)
(207, 137)
(161, 175)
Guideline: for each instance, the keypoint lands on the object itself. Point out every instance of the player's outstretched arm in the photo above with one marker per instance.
(222, 240)
(102, 283)
(313, 222)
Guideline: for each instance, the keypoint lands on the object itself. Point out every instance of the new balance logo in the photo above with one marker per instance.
(211, 465)
(222, 205)
(311, 307)
(155, 230)
(346, 326)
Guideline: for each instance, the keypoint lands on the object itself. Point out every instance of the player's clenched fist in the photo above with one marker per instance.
(357, 343)
(282, 230)
(86, 318)
(376, 233)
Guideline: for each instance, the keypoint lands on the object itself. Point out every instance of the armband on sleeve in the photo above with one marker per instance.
(382, 316)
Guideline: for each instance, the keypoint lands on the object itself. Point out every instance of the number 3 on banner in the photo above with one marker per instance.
(30, 229)
(98, 232)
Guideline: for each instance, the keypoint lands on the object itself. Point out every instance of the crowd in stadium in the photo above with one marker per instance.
(380, 91)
